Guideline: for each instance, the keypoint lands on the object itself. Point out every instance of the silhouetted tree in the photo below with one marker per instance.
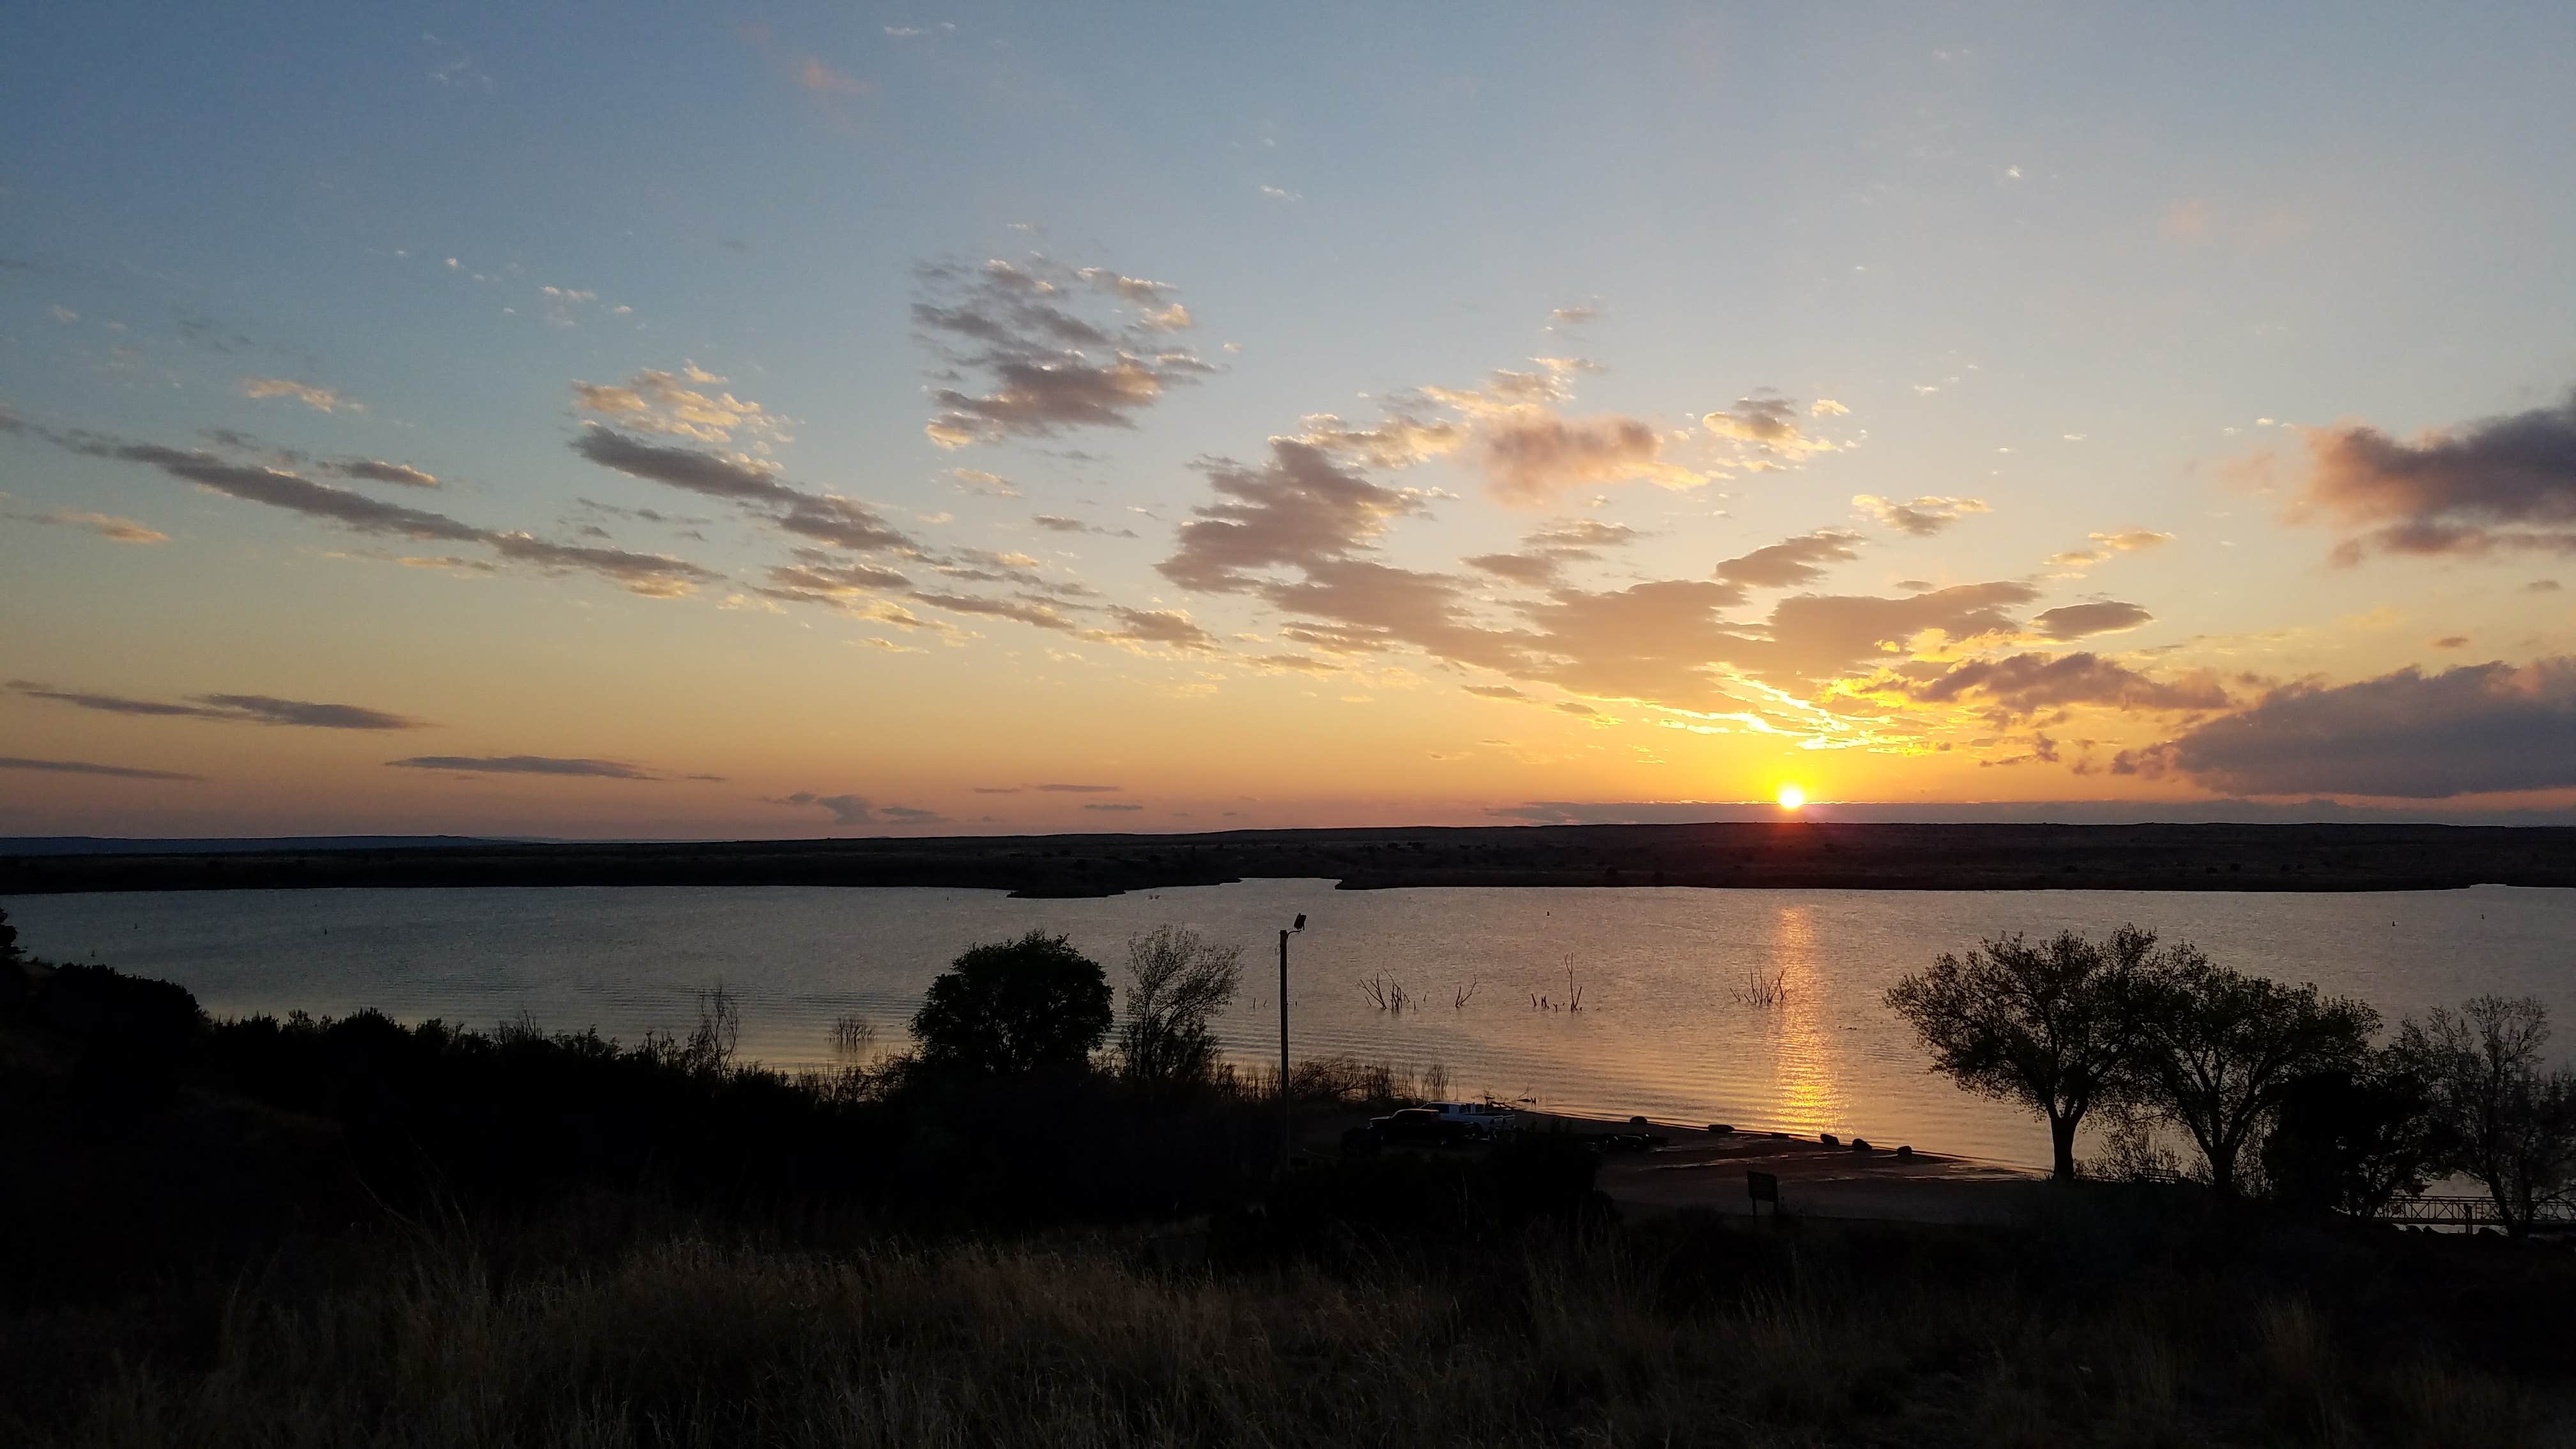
(1178, 982)
(2509, 1124)
(2349, 1141)
(2054, 1026)
(9, 955)
(2223, 1048)
(1014, 1006)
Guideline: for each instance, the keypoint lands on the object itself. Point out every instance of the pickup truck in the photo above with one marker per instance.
(1485, 1119)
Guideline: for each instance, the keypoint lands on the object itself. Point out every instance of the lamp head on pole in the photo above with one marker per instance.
(1301, 922)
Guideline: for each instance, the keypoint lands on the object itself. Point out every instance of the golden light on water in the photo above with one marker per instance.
(1792, 797)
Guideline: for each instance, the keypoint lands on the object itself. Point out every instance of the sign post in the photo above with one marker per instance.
(1762, 1187)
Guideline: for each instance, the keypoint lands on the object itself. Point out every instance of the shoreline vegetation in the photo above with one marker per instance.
(1783, 854)
(1055, 1218)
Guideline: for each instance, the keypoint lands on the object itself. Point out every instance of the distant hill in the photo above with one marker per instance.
(113, 845)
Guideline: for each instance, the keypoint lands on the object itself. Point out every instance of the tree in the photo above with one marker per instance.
(1009, 1007)
(2349, 1141)
(2510, 1126)
(1178, 982)
(8, 941)
(2053, 1026)
(2224, 1048)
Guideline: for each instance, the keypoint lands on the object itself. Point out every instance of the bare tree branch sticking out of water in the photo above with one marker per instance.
(1386, 993)
(1759, 990)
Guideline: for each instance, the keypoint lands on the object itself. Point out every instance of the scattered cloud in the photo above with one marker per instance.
(1080, 789)
(376, 470)
(2105, 545)
(1058, 523)
(976, 480)
(106, 525)
(1791, 561)
(253, 708)
(681, 405)
(1769, 426)
(652, 575)
(1531, 459)
(2451, 641)
(2020, 686)
(1163, 628)
(845, 809)
(2476, 729)
(525, 765)
(1052, 347)
(1574, 316)
(320, 399)
(1113, 805)
(84, 767)
(1921, 517)
(2499, 483)
(1299, 509)
(2078, 621)
(1545, 552)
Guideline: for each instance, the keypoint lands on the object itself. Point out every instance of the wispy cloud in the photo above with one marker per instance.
(320, 399)
(84, 767)
(2501, 483)
(1051, 347)
(525, 765)
(106, 525)
(237, 708)
(1921, 517)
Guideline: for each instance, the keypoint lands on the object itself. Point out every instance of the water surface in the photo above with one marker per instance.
(1662, 1030)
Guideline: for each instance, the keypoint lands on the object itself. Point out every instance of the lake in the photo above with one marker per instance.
(1664, 1029)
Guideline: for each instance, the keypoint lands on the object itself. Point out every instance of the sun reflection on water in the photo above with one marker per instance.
(1803, 1066)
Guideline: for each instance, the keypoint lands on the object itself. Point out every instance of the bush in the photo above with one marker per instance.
(1014, 1006)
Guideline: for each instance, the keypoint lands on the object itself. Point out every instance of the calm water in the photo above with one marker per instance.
(1661, 1031)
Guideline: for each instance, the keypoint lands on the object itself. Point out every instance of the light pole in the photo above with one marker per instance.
(1287, 1125)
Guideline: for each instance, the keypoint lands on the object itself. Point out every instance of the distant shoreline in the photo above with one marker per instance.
(1773, 855)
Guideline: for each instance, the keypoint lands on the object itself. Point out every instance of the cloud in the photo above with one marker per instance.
(1921, 517)
(1058, 523)
(1050, 347)
(749, 483)
(2126, 540)
(845, 809)
(1165, 627)
(1113, 805)
(820, 578)
(1297, 509)
(1531, 459)
(976, 480)
(2451, 641)
(677, 405)
(2476, 729)
(2077, 621)
(84, 767)
(1810, 637)
(1495, 691)
(1036, 615)
(2019, 686)
(254, 708)
(2504, 482)
(525, 765)
(106, 525)
(1545, 551)
(1574, 316)
(652, 575)
(1401, 439)
(320, 399)
(1081, 789)
(1791, 561)
(376, 470)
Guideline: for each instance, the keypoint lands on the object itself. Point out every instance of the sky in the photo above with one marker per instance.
(770, 420)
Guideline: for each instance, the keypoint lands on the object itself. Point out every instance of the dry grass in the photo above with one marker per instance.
(679, 1339)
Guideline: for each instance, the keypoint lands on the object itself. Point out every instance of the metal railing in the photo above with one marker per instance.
(2469, 1213)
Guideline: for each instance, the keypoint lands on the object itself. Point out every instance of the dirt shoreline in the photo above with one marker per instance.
(1779, 855)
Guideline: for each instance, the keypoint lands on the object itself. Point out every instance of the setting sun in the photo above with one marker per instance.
(1792, 797)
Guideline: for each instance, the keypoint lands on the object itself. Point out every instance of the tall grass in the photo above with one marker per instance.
(687, 1337)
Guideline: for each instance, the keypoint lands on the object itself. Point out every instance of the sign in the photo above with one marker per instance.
(1762, 1187)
